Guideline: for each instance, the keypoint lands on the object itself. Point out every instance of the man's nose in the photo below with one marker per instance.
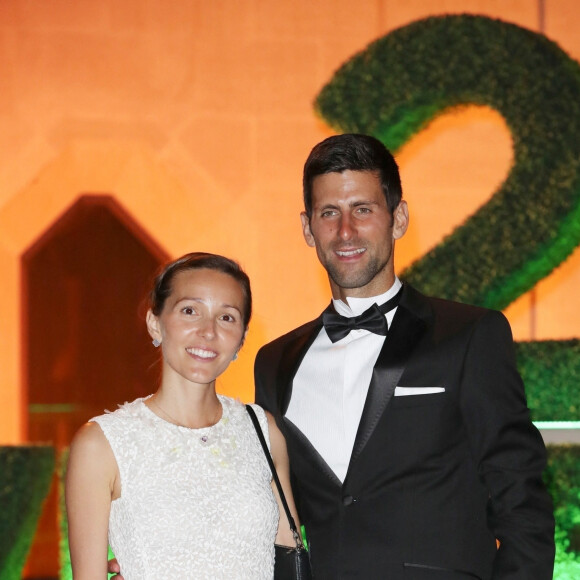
(346, 228)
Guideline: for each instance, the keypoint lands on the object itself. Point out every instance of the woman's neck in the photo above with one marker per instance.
(192, 409)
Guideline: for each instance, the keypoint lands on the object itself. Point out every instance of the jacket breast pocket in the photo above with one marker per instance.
(426, 426)
(419, 400)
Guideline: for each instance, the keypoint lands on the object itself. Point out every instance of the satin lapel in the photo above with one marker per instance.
(309, 450)
(402, 338)
(291, 359)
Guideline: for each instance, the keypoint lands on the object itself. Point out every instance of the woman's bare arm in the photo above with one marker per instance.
(280, 456)
(92, 482)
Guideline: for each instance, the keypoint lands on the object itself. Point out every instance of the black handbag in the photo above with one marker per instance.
(290, 563)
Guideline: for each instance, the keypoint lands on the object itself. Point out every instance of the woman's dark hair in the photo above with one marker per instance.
(354, 152)
(162, 287)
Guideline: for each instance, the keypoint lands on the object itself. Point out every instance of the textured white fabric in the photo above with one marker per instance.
(191, 509)
(331, 385)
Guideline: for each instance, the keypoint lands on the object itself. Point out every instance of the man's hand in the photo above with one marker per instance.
(114, 568)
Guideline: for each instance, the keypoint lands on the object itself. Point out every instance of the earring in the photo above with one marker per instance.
(235, 357)
(156, 342)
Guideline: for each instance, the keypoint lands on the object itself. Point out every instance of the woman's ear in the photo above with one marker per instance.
(243, 340)
(153, 326)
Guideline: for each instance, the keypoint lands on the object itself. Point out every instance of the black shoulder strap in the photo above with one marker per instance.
(291, 521)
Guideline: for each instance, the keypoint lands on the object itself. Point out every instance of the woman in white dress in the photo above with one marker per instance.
(177, 482)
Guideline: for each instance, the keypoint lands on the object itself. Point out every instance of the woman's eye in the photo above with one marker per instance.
(228, 318)
(188, 310)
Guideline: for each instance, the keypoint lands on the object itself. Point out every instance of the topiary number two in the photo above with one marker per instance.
(400, 82)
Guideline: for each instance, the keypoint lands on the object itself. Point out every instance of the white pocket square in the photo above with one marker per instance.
(403, 391)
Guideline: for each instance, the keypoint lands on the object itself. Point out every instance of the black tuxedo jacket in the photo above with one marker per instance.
(433, 479)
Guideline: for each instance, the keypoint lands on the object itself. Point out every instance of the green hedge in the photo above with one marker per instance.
(562, 477)
(25, 476)
(64, 552)
(400, 82)
(551, 373)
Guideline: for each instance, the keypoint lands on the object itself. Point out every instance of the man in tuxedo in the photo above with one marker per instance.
(410, 441)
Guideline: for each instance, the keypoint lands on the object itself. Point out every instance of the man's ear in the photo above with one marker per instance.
(306, 229)
(400, 220)
(153, 327)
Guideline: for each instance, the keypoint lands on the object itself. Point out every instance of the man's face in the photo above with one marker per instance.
(354, 232)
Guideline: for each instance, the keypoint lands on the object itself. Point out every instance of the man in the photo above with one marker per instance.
(411, 453)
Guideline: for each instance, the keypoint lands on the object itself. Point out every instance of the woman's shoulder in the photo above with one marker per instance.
(90, 440)
(126, 422)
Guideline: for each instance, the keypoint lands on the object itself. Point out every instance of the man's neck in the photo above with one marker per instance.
(368, 291)
(365, 301)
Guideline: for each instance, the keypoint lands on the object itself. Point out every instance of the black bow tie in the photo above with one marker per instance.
(373, 319)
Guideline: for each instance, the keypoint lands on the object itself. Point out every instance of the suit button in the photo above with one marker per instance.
(347, 500)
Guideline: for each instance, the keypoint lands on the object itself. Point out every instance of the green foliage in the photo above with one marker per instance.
(400, 82)
(25, 476)
(64, 560)
(551, 373)
(562, 477)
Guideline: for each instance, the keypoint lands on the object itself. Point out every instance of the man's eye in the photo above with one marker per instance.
(188, 310)
(328, 213)
(228, 318)
(363, 209)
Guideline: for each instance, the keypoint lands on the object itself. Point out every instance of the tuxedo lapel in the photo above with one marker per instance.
(306, 448)
(406, 330)
(292, 357)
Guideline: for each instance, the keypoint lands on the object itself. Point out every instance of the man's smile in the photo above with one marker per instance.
(350, 253)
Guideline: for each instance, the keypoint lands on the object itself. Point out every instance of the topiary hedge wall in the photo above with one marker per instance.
(562, 477)
(400, 82)
(551, 373)
(25, 476)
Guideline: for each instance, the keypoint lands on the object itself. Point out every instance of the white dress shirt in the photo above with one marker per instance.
(331, 385)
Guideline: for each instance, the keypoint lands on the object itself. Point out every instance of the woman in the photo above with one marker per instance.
(177, 482)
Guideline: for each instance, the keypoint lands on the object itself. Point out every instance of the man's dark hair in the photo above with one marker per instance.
(353, 152)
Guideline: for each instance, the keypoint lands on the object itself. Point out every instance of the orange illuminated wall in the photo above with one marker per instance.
(197, 117)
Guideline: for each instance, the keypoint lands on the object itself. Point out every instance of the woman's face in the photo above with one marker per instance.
(201, 325)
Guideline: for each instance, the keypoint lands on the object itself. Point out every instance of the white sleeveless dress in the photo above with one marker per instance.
(195, 503)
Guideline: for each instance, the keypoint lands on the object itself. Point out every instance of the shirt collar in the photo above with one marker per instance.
(356, 306)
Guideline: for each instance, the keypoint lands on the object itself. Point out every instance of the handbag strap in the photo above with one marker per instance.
(297, 537)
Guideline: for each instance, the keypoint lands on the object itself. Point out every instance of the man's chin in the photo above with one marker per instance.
(352, 278)
(349, 282)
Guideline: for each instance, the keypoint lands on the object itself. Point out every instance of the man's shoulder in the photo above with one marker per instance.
(443, 305)
(453, 314)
